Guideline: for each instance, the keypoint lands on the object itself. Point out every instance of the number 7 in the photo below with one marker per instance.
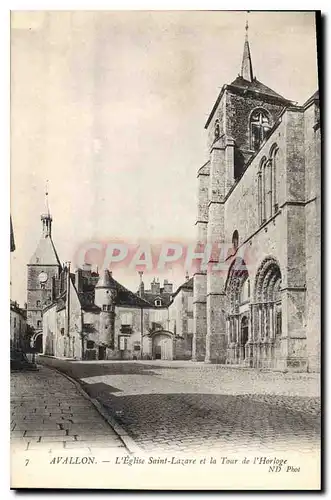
(26, 462)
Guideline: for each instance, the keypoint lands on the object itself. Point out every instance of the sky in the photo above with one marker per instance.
(110, 108)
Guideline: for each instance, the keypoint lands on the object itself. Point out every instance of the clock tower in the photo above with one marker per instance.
(43, 267)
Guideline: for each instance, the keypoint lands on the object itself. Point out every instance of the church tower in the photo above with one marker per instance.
(44, 265)
(241, 119)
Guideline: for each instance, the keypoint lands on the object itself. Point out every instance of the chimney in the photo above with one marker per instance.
(78, 280)
(167, 287)
(155, 287)
(141, 290)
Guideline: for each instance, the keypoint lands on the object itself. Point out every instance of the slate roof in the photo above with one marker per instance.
(245, 85)
(314, 97)
(165, 297)
(187, 285)
(256, 86)
(124, 297)
(105, 280)
(205, 169)
(45, 254)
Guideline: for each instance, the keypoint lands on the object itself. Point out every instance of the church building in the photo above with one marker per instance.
(259, 193)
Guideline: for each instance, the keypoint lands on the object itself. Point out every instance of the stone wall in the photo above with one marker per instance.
(313, 236)
(17, 328)
(35, 292)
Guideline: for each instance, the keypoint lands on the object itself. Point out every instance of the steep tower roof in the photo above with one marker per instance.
(123, 295)
(246, 65)
(105, 280)
(45, 253)
(246, 83)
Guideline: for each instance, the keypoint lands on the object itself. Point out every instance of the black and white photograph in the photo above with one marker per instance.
(165, 248)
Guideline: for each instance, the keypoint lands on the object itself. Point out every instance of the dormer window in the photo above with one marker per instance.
(260, 125)
(158, 302)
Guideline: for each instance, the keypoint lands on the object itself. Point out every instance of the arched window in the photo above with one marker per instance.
(217, 129)
(264, 183)
(268, 191)
(245, 292)
(235, 240)
(262, 178)
(260, 125)
(259, 195)
(274, 174)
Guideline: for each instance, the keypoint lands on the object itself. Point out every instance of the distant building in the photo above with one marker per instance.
(103, 320)
(181, 318)
(43, 268)
(17, 326)
(157, 295)
(92, 316)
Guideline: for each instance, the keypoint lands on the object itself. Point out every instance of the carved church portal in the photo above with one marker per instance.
(162, 346)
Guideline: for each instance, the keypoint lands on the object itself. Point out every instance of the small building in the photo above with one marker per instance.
(181, 318)
(17, 326)
(157, 295)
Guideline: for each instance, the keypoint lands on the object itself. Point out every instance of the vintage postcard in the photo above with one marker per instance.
(165, 315)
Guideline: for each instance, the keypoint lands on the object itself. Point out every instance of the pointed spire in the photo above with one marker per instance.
(46, 218)
(246, 65)
(46, 198)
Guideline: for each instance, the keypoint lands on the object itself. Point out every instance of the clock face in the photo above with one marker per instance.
(42, 277)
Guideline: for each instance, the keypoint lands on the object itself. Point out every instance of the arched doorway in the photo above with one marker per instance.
(162, 346)
(237, 289)
(37, 341)
(244, 333)
(267, 315)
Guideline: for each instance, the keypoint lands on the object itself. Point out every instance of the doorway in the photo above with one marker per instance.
(244, 333)
(102, 352)
(162, 346)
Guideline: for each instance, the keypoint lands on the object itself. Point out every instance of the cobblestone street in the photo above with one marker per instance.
(190, 406)
(48, 414)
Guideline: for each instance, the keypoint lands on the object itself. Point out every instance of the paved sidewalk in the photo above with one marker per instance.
(49, 414)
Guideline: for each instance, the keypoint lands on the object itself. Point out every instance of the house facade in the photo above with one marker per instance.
(92, 316)
(181, 318)
(17, 326)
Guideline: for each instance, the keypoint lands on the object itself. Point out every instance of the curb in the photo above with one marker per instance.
(129, 443)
